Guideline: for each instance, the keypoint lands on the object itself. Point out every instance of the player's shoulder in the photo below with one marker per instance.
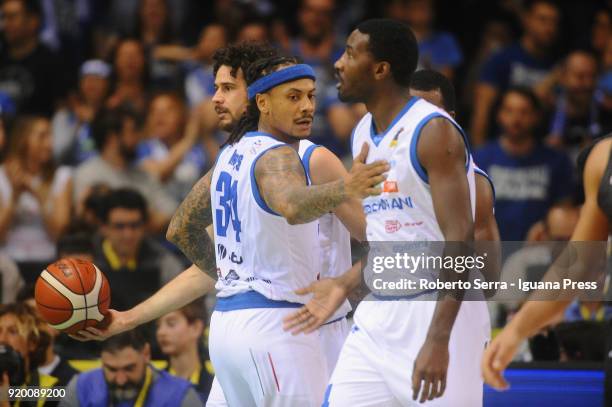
(598, 158)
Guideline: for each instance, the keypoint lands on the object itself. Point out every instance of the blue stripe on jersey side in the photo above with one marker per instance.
(377, 138)
(250, 300)
(326, 397)
(306, 160)
(478, 170)
(255, 189)
(416, 164)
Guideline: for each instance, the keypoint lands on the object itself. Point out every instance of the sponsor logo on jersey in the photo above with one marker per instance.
(392, 226)
(390, 186)
(235, 258)
(393, 143)
(232, 276)
(384, 204)
(221, 250)
(236, 160)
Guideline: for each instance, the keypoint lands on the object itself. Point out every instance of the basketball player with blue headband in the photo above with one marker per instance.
(268, 200)
(266, 241)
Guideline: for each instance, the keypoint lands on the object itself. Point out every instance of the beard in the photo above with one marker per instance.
(128, 391)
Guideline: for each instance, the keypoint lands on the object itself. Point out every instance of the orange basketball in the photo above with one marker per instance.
(72, 294)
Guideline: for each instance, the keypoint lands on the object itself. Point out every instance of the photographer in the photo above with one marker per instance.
(20, 328)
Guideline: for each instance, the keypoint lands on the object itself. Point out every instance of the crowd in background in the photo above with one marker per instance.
(107, 117)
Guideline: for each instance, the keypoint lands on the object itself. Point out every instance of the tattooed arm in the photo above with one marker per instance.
(281, 181)
(187, 228)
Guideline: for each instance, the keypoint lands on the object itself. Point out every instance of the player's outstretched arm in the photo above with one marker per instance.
(180, 291)
(187, 228)
(326, 167)
(441, 151)
(282, 183)
(533, 315)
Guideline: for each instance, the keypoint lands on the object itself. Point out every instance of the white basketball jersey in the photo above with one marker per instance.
(404, 211)
(333, 237)
(256, 249)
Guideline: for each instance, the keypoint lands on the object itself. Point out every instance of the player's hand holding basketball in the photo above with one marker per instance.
(327, 296)
(363, 179)
(498, 355)
(117, 322)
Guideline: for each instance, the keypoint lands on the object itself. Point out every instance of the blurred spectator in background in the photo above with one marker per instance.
(319, 47)
(604, 101)
(575, 117)
(35, 193)
(72, 140)
(123, 244)
(77, 246)
(174, 153)
(153, 28)
(20, 328)
(580, 310)
(437, 50)
(200, 82)
(129, 87)
(10, 280)
(117, 134)
(180, 337)
(525, 63)
(30, 74)
(127, 378)
(88, 210)
(254, 30)
(601, 30)
(528, 176)
(52, 364)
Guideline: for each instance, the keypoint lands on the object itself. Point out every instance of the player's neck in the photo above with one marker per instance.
(264, 127)
(184, 364)
(386, 105)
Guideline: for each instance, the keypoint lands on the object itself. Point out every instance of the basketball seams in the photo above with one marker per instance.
(82, 286)
(60, 293)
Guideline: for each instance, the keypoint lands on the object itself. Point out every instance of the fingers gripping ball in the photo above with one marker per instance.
(72, 294)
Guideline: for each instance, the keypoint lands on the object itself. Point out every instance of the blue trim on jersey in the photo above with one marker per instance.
(306, 160)
(377, 138)
(326, 397)
(334, 320)
(255, 189)
(478, 170)
(402, 297)
(249, 300)
(219, 154)
(414, 158)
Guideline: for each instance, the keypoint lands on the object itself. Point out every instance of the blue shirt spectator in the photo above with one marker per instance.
(588, 311)
(439, 50)
(528, 176)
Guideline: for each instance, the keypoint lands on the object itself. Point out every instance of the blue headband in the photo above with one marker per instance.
(273, 79)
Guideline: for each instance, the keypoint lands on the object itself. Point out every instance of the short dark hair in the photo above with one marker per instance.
(242, 56)
(393, 42)
(130, 339)
(428, 79)
(526, 93)
(125, 198)
(110, 121)
(74, 244)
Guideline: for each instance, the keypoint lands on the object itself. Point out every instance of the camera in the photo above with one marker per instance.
(12, 363)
